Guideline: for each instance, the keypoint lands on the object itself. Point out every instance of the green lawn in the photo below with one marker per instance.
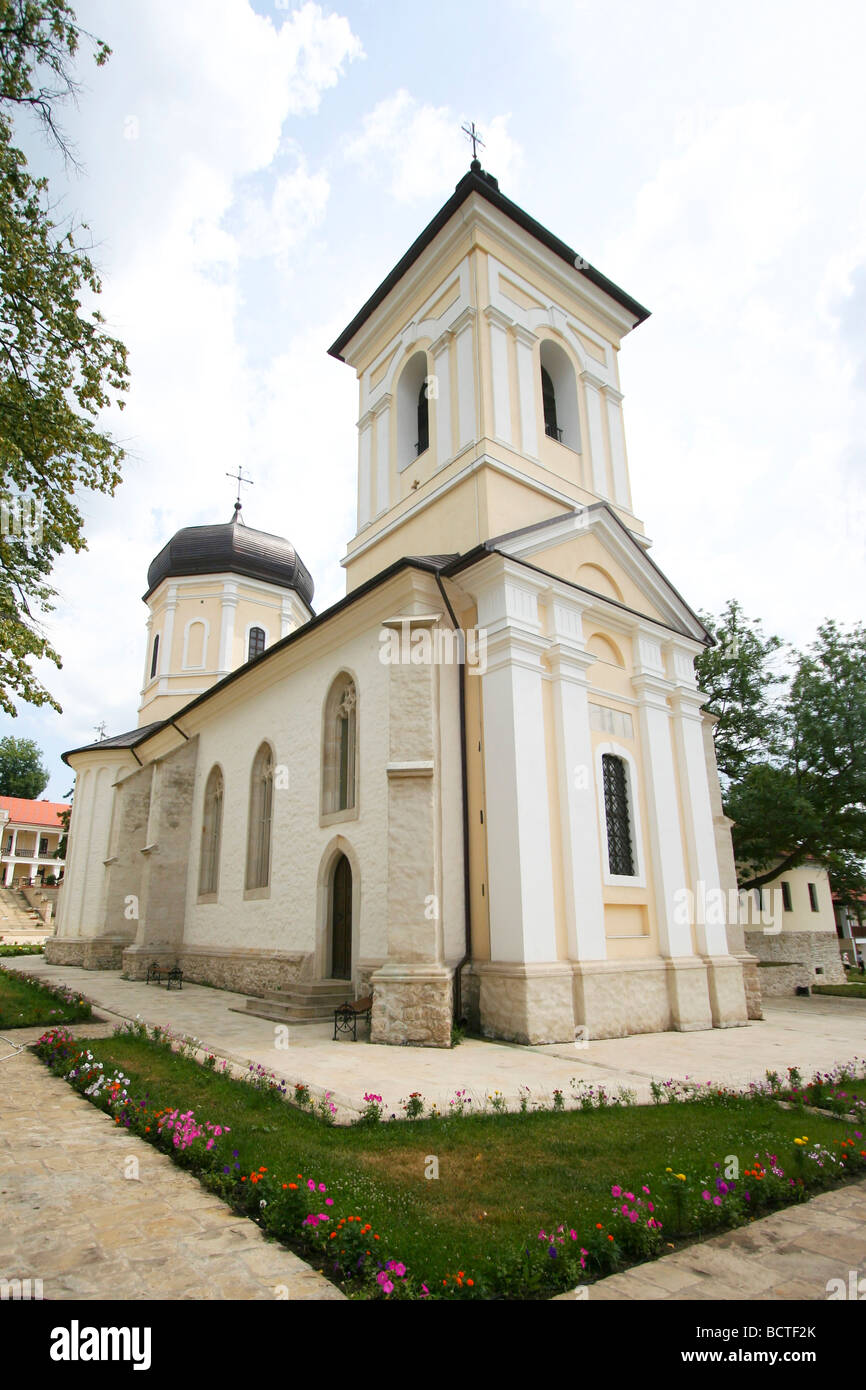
(24, 1004)
(501, 1178)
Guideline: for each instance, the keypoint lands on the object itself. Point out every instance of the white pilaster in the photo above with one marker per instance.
(382, 412)
(499, 325)
(525, 343)
(441, 351)
(229, 601)
(617, 446)
(167, 632)
(520, 871)
(466, 411)
(581, 848)
(697, 807)
(664, 833)
(592, 391)
(365, 464)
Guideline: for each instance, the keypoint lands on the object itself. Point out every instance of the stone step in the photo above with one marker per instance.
(283, 1013)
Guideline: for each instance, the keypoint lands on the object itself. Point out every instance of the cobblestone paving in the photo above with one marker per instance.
(72, 1218)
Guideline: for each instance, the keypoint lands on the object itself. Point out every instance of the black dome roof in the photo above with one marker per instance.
(233, 548)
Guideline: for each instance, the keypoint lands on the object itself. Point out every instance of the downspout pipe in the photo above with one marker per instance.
(464, 786)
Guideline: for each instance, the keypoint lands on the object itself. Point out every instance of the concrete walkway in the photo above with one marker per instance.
(74, 1219)
(793, 1254)
(811, 1033)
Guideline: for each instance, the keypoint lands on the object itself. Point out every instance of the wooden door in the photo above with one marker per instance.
(341, 920)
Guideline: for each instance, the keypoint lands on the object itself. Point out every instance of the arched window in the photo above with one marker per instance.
(413, 411)
(154, 660)
(256, 642)
(559, 395)
(548, 396)
(211, 833)
(620, 854)
(340, 746)
(261, 812)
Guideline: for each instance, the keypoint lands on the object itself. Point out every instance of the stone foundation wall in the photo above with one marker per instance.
(819, 951)
(243, 972)
(470, 997)
(530, 1004)
(783, 980)
(412, 1007)
(60, 950)
(752, 985)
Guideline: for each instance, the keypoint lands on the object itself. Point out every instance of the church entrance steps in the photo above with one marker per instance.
(308, 1001)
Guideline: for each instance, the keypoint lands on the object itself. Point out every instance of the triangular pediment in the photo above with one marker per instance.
(593, 550)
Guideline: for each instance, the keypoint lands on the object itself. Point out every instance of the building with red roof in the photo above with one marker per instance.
(30, 835)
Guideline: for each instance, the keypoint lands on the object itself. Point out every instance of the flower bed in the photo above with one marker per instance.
(27, 1001)
(330, 1218)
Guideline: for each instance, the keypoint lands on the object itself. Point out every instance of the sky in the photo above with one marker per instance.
(251, 171)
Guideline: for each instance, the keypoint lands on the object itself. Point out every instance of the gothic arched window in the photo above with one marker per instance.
(256, 643)
(154, 660)
(620, 854)
(211, 834)
(340, 746)
(261, 813)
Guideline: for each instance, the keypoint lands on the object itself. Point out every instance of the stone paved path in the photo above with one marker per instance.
(811, 1033)
(71, 1217)
(789, 1255)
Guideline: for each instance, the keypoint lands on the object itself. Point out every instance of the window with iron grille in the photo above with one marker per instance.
(619, 847)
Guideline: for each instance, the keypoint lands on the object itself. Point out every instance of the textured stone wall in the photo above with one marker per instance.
(811, 949)
(779, 980)
(248, 971)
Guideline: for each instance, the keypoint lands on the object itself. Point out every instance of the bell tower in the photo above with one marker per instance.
(489, 386)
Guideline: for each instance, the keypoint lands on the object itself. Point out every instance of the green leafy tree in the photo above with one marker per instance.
(811, 803)
(738, 678)
(59, 368)
(21, 769)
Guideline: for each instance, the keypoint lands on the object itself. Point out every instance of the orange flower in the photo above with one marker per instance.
(293, 1186)
(470, 1282)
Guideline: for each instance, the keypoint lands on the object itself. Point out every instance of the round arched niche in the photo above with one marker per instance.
(594, 577)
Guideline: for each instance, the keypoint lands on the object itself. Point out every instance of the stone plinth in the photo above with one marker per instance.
(727, 992)
(527, 1003)
(412, 1004)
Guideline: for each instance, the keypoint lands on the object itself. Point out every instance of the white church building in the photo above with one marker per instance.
(322, 805)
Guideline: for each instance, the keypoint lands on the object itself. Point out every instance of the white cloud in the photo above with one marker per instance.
(416, 148)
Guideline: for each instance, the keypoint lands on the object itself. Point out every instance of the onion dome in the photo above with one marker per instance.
(232, 548)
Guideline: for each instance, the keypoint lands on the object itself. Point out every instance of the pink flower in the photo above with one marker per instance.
(646, 1190)
(329, 1201)
(632, 1216)
(616, 1192)
(322, 1187)
(717, 1201)
(311, 1185)
(629, 1196)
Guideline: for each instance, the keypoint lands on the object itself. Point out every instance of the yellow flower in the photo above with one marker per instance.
(669, 1170)
(681, 1176)
(798, 1141)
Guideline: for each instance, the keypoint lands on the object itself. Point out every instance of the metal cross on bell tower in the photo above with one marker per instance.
(241, 482)
(475, 136)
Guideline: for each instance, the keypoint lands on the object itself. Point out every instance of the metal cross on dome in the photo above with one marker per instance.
(475, 136)
(241, 482)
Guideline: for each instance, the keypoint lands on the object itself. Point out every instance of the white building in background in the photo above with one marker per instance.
(30, 835)
(301, 816)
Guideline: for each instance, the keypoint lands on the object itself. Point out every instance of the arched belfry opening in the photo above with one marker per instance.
(413, 411)
(340, 919)
(559, 395)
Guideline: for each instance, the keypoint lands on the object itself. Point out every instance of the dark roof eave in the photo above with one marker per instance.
(479, 183)
(149, 730)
